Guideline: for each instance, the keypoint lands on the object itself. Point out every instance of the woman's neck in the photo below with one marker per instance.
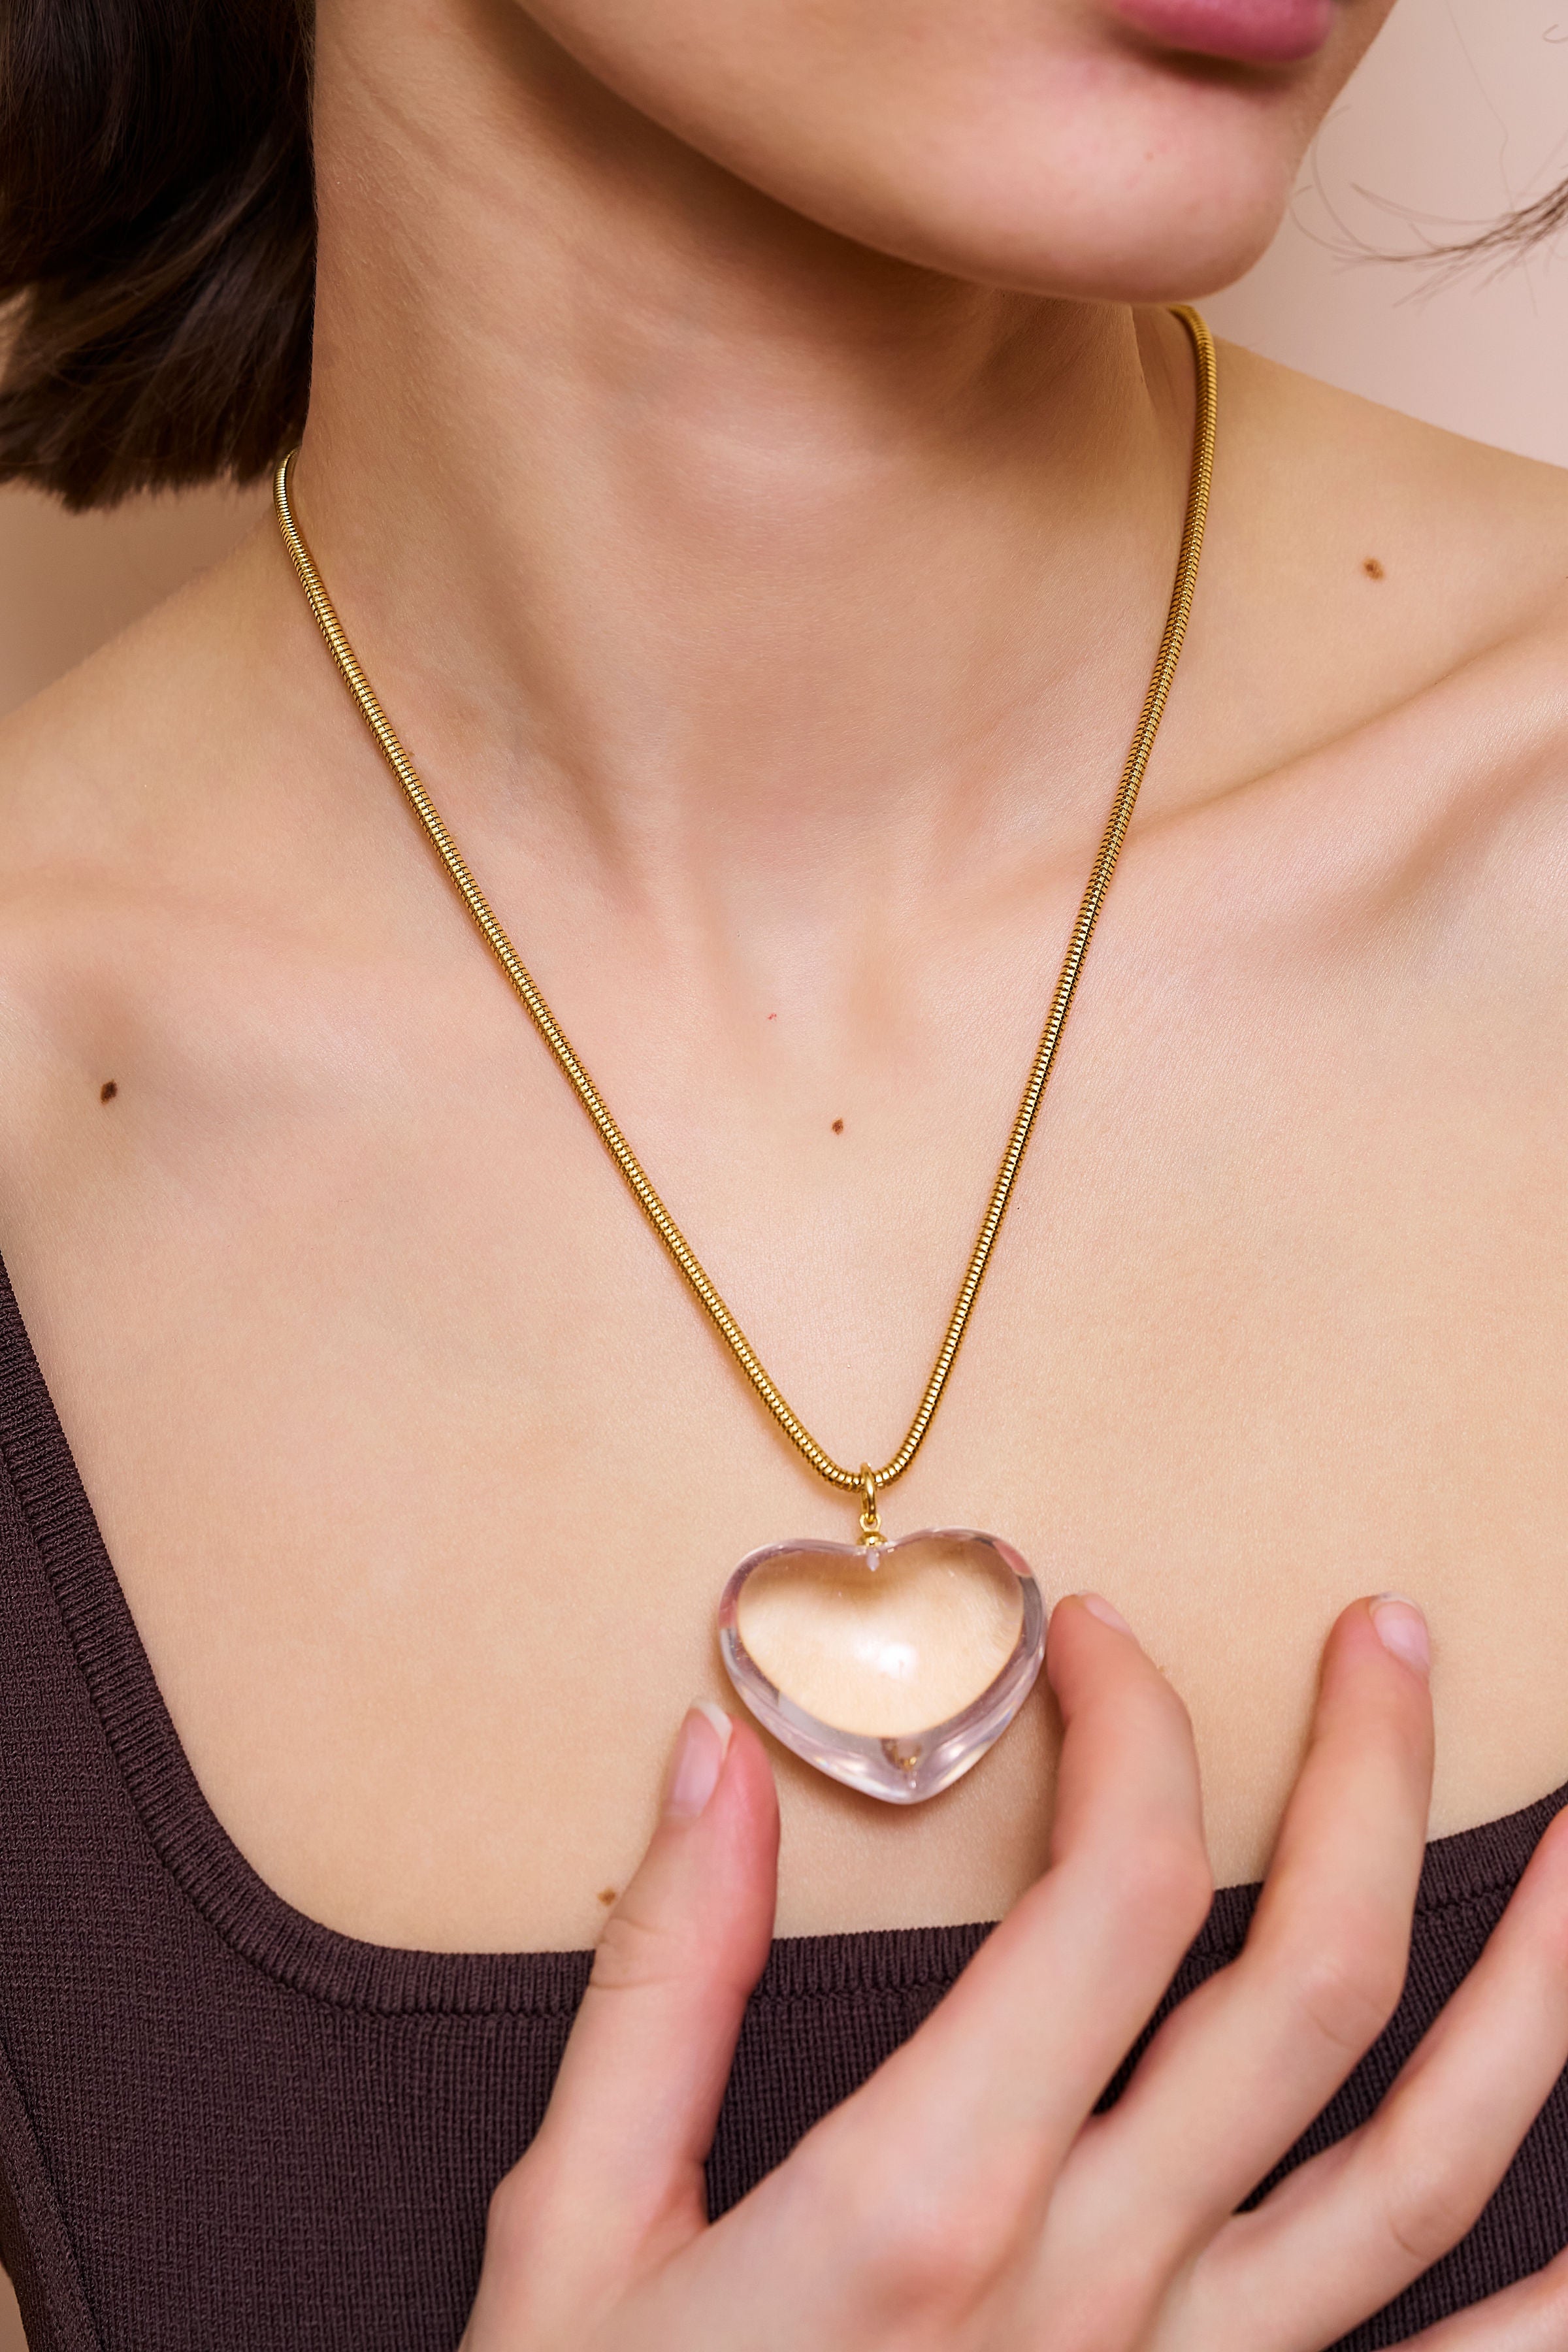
(704, 523)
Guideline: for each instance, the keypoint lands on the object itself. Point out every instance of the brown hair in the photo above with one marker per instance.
(157, 240)
(1507, 238)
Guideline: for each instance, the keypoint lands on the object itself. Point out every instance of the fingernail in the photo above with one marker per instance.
(1402, 1628)
(1105, 1613)
(700, 1753)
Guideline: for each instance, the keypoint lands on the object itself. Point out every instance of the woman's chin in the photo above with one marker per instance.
(1106, 150)
(1111, 176)
(1179, 228)
(1149, 261)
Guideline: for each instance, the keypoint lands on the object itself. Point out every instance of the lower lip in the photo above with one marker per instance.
(1248, 32)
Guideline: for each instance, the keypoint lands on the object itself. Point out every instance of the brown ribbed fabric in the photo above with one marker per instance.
(224, 2128)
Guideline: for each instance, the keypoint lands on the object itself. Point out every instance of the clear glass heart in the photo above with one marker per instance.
(891, 1666)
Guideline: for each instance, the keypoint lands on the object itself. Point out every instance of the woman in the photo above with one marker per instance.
(747, 450)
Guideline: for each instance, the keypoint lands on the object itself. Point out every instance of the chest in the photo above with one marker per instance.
(423, 1470)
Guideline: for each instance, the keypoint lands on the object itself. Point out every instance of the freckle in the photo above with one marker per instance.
(838, 1126)
(1373, 568)
(606, 1895)
(108, 1091)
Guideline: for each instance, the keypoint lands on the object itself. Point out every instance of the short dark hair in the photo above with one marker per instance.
(157, 241)
(158, 238)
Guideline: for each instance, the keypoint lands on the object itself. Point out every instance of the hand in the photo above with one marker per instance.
(968, 2198)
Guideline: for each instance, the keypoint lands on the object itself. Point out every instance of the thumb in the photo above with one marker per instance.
(638, 2097)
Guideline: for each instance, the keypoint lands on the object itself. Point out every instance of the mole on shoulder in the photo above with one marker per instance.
(108, 1091)
(606, 1895)
(838, 1126)
(1373, 569)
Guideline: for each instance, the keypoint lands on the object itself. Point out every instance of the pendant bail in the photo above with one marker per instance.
(870, 1524)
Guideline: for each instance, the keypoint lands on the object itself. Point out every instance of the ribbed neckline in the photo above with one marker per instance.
(319, 1962)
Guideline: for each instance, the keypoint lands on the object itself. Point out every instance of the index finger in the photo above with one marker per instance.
(987, 2097)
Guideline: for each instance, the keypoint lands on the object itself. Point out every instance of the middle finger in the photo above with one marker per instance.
(1243, 2066)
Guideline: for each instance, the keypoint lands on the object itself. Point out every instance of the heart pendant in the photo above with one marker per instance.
(891, 1666)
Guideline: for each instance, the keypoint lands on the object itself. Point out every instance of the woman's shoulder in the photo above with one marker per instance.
(1335, 455)
(1387, 617)
(1394, 586)
(96, 765)
(149, 860)
(100, 773)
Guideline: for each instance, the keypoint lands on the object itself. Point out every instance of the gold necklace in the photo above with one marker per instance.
(892, 1667)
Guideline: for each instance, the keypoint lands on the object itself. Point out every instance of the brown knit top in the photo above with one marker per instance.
(226, 2128)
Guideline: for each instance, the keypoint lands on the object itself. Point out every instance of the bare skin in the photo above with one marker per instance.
(769, 617)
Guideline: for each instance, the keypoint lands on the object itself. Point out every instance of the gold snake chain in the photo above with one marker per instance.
(866, 1480)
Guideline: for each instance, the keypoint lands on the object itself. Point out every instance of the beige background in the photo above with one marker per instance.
(1460, 112)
